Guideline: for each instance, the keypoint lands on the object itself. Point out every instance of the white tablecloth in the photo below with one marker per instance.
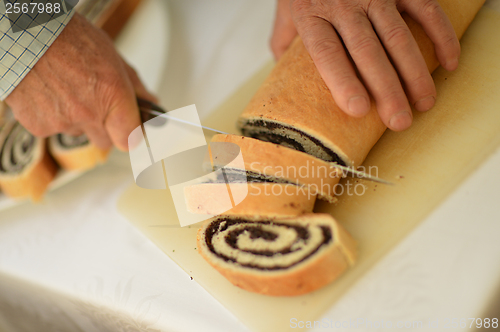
(74, 263)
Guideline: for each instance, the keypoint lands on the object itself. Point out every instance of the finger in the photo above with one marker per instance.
(122, 117)
(438, 27)
(329, 56)
(405, 55)
(284, 29)
(139, 88)
(377, 72)
(98, 136)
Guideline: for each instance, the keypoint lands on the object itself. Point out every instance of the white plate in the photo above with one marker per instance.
(143, 43)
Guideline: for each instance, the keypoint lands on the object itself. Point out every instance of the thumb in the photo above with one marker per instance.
(123, 117)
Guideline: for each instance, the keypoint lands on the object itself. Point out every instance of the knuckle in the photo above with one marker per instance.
(113, 91)
(424, 84)
(423, 79)
(392, 94)
(340, 7)
(300, 7)
(350, 86)
(377, 5)
(344, 10)
(345, 81)
(397, 35)
(364, 45)
(324, 50)
(430, 9)
(114, 82)
(346, 87)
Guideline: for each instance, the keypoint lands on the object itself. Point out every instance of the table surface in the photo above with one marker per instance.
(74, 263)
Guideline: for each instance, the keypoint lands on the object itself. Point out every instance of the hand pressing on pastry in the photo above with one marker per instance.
(381, 46)
(80, 85)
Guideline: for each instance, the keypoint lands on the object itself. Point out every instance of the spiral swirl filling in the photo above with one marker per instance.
(265, 245)
(69, 142)
(17, 150)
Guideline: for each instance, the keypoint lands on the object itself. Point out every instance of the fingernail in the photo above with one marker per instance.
(452, 64)
(425, 104)
(400, 121)
(358, 105)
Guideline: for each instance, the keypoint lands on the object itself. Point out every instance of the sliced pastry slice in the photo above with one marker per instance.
(76, 153)
(295, 108)
(277, 256)
(252, 198)
(26, 168)
(269, 162)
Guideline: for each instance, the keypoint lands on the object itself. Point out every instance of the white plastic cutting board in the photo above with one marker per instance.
(426, 162)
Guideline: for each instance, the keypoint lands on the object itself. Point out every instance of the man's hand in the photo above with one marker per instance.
(381, 45)
(80, 85)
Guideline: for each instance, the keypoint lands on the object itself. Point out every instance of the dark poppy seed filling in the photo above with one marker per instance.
(16, 150)
(265, 245)
(281, 134)
(70, 142)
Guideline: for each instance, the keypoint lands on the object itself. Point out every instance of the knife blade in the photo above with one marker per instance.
(151, 108)
(362, 175)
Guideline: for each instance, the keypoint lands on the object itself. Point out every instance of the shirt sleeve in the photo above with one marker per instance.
(20, 51)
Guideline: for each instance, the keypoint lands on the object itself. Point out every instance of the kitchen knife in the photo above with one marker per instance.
(148, 108)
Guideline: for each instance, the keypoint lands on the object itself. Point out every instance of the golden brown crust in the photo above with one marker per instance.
(294, 94)
(34, 181)
(262, 199)
(306, 277)
(317, 274)
(281, 162)
(80, 158)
